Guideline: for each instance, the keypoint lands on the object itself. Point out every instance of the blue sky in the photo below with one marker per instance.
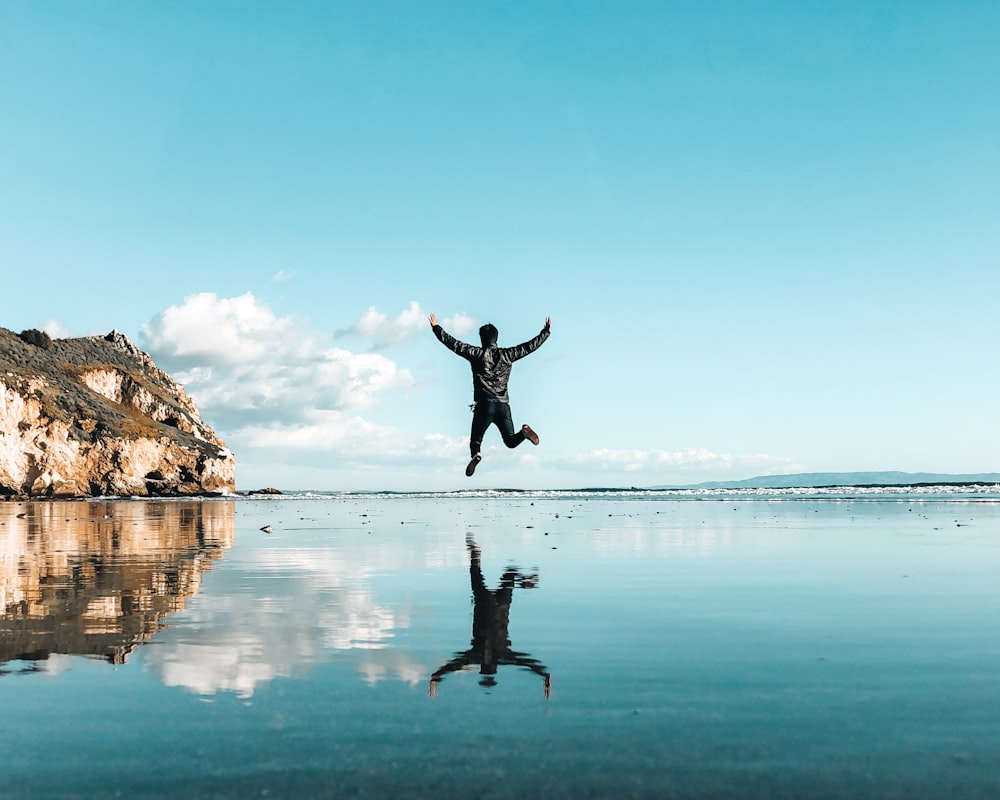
(765, 231)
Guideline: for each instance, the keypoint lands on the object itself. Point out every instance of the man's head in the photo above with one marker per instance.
(488, 334)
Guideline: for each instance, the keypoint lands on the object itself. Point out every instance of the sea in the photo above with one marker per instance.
(836, 642)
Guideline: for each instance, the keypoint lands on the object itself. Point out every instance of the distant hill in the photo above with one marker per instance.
(814, 479)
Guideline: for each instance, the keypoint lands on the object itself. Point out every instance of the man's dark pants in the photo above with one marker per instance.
(492, 412)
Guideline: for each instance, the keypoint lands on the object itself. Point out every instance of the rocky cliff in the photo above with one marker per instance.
(94, 416)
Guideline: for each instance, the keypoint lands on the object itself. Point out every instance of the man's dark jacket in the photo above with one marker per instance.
(490, 364)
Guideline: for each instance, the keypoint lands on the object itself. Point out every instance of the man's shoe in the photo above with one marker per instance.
(529, 434)
(472, 465)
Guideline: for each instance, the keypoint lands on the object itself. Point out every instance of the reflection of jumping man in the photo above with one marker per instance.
(490, 620)
(491, 367)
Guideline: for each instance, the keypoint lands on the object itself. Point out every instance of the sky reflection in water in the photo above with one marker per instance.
(550, 647)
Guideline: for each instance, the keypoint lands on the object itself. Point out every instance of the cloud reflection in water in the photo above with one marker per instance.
(274, 615)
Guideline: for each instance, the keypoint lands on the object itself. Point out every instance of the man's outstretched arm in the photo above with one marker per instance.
(449, 341)
(521, 350)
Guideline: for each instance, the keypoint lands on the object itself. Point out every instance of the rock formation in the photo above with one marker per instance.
(94, 416)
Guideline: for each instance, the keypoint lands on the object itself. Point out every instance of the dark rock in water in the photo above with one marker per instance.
(94, 416)
(268, 490)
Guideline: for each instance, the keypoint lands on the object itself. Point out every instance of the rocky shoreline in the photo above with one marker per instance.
(95, 417)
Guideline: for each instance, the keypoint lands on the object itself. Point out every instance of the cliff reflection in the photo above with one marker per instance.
(97, 579)
(491, 647)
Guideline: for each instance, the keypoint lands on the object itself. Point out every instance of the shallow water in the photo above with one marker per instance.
(724, 647)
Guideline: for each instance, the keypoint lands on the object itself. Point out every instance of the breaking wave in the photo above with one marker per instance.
(964, 492)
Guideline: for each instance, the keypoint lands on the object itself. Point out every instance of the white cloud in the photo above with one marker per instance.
(244, 366)
(56, 329)
(355, 441)
(283, 275)
(687, 460)
(459, 324)
(206, 330)
(380, 330)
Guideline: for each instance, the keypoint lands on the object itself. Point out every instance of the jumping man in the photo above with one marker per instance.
(491, 367)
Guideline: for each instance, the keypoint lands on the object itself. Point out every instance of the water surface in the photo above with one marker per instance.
(513, 645)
